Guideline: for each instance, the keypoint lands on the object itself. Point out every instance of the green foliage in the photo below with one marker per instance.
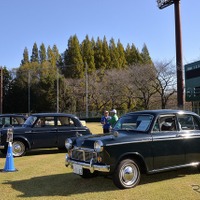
(121, 59)
(25, 57)
(73, 59)
(53, 55)
(114, 55)
(35, 54)
(42, 53)
(110, 84)
(132, 55)
(88, 54)
(98, 54)
(145, 55)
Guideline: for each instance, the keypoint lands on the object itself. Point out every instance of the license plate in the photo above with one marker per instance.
(77, 169)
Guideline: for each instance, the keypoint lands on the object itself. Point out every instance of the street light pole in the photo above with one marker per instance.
(57, 90)
(86, 89)
(29, 92)
(179, 64)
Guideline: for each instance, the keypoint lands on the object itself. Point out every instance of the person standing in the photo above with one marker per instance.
(114, 118)
(105, 122)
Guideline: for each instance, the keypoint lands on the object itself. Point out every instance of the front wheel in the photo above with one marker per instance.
(127, 174)
(18, 148)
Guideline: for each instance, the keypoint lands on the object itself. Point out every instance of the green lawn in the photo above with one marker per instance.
(42, 175)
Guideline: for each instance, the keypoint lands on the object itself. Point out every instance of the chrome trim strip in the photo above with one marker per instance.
(2, 147)
(138, 141)
(193, 164)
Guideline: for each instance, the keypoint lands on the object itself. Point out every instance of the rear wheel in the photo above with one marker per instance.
(19, 148)
(127, 174)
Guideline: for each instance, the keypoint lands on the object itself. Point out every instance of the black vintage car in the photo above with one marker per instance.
(43, 130)
(141, 142)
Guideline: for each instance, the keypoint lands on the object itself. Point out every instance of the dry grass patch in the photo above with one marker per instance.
(42, 175)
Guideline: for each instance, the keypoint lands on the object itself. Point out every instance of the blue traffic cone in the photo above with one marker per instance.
(9, 165)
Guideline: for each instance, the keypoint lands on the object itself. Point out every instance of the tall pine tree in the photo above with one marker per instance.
(25, 57)
(106, 54)
(35, 54)
(42, 53)
(98, 54)
(88, 54)
(73, 59)
(145, 55)
(121, 53)
(133, 55)
(114, 55)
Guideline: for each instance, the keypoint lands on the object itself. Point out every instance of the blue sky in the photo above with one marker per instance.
(52, 22)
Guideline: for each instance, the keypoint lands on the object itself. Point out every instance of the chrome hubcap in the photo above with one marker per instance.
(18, 148)
(129, 175)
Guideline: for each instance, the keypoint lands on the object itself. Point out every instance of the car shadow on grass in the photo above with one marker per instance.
(45, 151)
(70, 184)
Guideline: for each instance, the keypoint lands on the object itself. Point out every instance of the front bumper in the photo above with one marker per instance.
(91, 166)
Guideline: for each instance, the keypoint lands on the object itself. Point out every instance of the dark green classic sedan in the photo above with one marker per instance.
(141, 142)
(43, 130)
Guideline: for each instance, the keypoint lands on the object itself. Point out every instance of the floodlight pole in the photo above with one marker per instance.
(1, 90)
(179, 64)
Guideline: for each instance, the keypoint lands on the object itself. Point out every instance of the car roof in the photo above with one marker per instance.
(162, 111)
(53, 114)
(12, 115)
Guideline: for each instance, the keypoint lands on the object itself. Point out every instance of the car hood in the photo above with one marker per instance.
(111, 138)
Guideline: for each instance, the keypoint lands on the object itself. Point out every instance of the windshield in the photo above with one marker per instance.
(137, 122)
(30, 120)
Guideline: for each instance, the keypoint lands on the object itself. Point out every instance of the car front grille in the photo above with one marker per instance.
(83, 155)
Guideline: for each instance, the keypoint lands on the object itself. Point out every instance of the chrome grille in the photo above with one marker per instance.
(83, 155)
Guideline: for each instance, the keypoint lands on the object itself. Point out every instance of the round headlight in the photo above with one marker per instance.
(98, 146)
(68, 143)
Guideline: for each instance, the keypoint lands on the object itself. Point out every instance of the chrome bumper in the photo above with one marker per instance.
(2, 147)
(91, 166)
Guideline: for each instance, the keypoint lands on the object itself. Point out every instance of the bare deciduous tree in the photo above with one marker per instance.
(165, 82)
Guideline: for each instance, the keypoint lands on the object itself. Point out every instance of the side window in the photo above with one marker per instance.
(45, 122)
(1, 121)
(5, 121)
(49, 121)
(188, 122)
(65, 121)
(17, 120)
(156, 126)
(165, 123)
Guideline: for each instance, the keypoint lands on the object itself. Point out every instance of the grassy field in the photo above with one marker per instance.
(42, 175)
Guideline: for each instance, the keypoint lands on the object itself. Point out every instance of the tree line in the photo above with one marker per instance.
(97, 74)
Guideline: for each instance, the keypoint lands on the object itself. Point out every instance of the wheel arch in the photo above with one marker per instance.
(136, 157)
(24, 140)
